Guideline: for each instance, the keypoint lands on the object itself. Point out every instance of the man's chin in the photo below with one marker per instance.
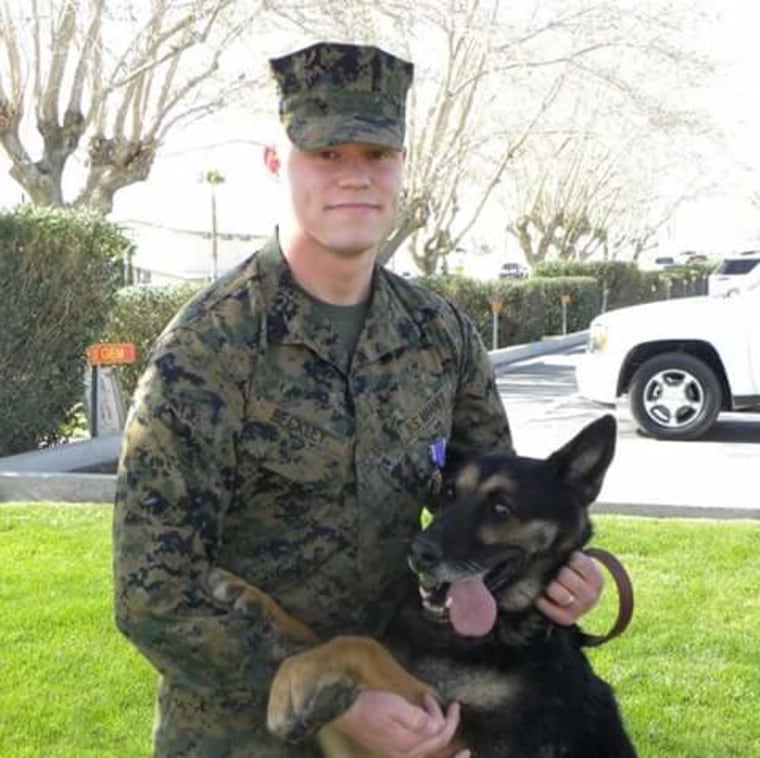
(353, 249)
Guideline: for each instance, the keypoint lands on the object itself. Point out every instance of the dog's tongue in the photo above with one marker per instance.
(472, 608)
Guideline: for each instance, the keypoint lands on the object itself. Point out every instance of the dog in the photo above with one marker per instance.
(468, 630)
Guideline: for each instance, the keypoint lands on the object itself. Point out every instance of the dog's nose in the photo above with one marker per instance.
(425, 553)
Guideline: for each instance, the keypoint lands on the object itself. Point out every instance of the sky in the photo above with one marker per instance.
(733, 100)
(175, 197)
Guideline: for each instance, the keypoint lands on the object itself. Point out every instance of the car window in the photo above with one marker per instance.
(737, 266)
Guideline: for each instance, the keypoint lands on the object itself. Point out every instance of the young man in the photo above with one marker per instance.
(283, 432)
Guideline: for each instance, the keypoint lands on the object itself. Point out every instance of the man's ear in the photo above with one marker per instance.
(272, 160)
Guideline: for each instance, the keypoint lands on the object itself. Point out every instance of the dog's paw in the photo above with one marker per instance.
(303, 699)
(223, 586)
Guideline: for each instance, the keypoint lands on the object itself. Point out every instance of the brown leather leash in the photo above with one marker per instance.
(625, 596)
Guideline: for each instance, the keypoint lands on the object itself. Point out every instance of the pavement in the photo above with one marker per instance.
(73, 473)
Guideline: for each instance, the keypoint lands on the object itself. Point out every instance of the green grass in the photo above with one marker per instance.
(687, 671)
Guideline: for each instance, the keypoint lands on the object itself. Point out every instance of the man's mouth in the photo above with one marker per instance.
(353, 207)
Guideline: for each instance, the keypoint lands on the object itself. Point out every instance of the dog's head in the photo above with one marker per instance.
(510, 522)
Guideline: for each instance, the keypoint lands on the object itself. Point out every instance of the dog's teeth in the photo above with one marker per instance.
(448, 602)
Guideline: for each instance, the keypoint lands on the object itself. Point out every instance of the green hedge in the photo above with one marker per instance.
(59, 270)
(522, 316)
(532, 308)
(584, 302)
(139, 315)
(626, 284)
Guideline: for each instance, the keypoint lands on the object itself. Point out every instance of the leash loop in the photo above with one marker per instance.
(625, 596)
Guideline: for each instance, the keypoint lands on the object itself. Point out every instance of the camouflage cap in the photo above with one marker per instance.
(333, 93)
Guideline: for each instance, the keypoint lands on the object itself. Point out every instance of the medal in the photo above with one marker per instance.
(438, 454)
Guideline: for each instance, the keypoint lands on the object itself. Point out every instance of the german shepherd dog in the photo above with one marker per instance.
(469, 630)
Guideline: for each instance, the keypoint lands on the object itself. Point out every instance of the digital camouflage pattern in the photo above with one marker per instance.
(331, 94)
(254, 444)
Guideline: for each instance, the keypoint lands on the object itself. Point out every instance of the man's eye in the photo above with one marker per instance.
(328, 155)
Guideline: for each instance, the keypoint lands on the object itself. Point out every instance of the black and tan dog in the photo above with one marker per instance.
(471, 633)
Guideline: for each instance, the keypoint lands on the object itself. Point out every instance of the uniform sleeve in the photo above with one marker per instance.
(176, 475)
(479, 418)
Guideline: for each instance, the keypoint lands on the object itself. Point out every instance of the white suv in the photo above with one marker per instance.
(734, 273)
(681, 362)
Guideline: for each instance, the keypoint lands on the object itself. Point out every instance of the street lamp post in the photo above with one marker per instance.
(214, 178)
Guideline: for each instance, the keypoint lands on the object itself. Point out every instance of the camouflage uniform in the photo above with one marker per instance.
(257, 444)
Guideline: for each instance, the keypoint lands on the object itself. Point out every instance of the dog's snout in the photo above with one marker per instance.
(425, 553)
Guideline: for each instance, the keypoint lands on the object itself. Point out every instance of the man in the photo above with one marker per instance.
(283, 432)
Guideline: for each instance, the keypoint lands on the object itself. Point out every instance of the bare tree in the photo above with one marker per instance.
(599, 193)
(621, 150)
(108, 78)
(497, 90)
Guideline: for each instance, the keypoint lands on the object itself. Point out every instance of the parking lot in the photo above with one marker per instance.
(714, 476)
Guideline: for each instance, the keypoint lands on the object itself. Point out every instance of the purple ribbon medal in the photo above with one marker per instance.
(438, 454)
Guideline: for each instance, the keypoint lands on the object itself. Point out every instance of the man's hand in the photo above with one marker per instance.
(392, 726)
(574, 591)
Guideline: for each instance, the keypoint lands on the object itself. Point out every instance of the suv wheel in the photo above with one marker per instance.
(675, 396)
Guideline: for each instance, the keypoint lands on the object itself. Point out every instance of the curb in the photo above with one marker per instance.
(58, 487)
(80, 455)
(101, 488)
(506, 355)
(658, 510)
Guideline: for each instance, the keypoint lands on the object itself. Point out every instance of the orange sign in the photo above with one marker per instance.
(497, 302)
(111, 353)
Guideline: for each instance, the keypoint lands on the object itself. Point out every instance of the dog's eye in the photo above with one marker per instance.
(501, 510)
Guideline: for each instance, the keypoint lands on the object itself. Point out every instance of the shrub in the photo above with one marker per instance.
(584, 302)
(139, 315)
(685, 281)
(622, 280)
(59, 270)
(626, 284)
(522, 317)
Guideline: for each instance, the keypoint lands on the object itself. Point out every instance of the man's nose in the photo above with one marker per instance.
(354, 174)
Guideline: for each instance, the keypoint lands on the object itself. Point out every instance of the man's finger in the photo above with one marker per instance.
(586, 567)
(435, 715)
(443, 737)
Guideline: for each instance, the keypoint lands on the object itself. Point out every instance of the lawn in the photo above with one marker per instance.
(687, 672)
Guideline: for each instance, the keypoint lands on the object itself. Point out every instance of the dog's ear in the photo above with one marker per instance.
(583, 462)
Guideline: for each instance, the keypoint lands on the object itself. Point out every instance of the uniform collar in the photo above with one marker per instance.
(390, 326)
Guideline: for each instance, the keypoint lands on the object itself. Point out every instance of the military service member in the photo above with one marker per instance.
(283, 431)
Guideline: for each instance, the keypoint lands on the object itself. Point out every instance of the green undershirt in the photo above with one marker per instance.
(347, 320)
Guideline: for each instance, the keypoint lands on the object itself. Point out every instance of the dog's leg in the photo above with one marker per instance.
(239, 594)
(316, 686)
(312, 688)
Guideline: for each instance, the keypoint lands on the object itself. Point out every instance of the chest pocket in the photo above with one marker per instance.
(290, 518)
(405, 455)
(293, 446)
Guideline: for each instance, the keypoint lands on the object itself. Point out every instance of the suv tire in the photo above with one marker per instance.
(675, 396)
